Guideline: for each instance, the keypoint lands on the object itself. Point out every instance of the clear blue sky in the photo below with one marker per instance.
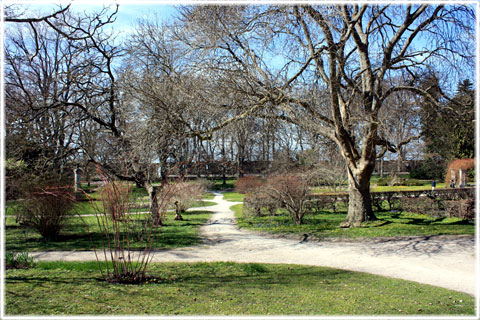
(127, 14)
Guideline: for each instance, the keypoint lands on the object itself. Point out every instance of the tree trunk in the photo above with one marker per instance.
(154, 208)
(77, 186)
(359, 200)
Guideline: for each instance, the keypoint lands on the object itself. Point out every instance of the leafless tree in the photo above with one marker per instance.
(325, 68)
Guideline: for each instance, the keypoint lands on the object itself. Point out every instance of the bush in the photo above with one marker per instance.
(254, 204)
(412, 182)
(463, 209)
(397, 181)
(118, 228)
(248, 184)
(185, 194)
(427, 206)
(18, 260)
(47, 209)
(292, 193)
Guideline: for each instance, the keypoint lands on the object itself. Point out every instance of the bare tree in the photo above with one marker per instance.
(326, 68)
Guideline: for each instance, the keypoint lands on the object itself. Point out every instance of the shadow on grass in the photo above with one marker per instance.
(252, 276)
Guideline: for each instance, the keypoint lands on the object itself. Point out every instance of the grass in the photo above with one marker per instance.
(375, 188)
(76, 235)
(326, 225)
(219, 186)
(233, 196)
(224, 288)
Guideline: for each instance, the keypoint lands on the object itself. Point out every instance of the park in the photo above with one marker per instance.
(240, 160)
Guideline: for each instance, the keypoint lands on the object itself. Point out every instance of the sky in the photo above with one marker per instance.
(128, 13)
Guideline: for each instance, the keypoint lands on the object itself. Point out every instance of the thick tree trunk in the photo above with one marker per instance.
(359, 201)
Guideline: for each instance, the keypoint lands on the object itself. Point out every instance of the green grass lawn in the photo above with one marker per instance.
(375, 188)
(76, 235)
(325, 225)
(233, 196)
(224, 288)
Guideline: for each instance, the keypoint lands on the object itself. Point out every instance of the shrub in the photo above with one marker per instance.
(248, 184)
(292, 193)
(19, 260)
(382, 182)
(412, 182)
(185, 194)
(421, 205)
(463, 209)
(254, 204)
(47, 209)
(118, 229)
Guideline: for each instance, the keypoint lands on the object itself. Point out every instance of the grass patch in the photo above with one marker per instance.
(375, 188)
(208, 196)
(76, 235)
(325, 225)
(233, 196)
(203, 203)
(224, 288)
(219, 186)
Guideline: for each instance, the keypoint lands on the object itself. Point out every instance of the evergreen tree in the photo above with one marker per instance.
(448, 127)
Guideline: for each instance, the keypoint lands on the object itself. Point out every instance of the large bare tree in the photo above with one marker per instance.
(330, 69)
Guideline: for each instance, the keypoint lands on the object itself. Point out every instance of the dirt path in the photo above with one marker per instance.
(443, 261)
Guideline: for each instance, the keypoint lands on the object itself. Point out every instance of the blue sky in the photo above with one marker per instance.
(127, 15)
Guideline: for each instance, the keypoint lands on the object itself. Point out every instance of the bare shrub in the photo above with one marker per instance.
(248, 184)
(47, 209)
(186, 194)
(120, 226)
(115, 197)
(463, 209)
(421, 205)
(259, 202)
(292, 193)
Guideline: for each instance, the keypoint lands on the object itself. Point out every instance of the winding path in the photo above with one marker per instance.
(443, 261)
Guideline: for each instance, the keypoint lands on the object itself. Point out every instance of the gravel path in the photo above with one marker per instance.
(443, 261)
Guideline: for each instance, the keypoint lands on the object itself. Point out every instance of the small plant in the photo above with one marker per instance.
(47, 209)
(20, 260)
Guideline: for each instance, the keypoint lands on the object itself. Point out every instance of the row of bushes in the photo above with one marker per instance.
(265, 196)
(463, 209)
(47, 208)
